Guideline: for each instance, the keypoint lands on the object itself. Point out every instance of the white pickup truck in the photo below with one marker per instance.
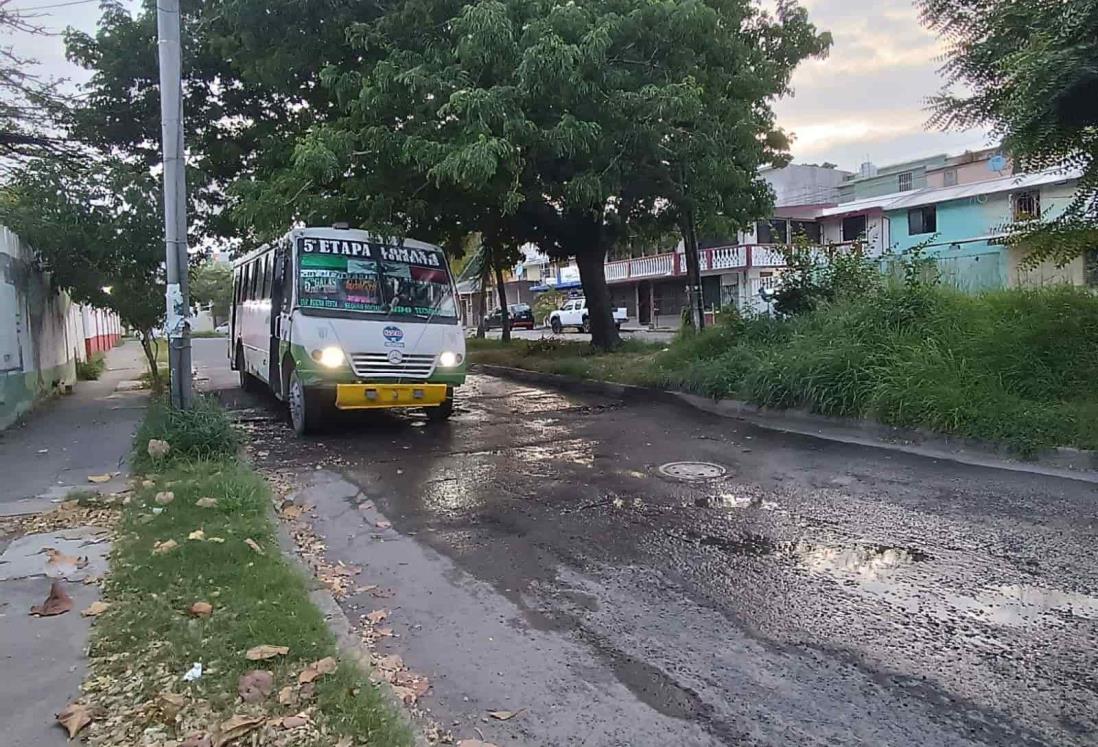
(574, 314)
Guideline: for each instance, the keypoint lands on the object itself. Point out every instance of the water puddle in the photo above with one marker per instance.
(887, 573)
(735, 501)
(866, 561)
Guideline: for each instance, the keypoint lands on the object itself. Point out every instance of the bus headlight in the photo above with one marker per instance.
(329, 357)
(449, 359)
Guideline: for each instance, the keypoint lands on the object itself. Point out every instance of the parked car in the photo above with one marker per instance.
(222, 329)
(574, 314)
(520, 315)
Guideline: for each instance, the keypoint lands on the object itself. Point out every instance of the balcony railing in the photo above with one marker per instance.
(737, 257)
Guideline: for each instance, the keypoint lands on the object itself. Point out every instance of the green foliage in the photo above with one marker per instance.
(212, 283)
(92, 368)
(1026, 70)
(203, 432)
(816, 276)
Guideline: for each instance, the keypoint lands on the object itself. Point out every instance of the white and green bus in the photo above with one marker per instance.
(338, 318)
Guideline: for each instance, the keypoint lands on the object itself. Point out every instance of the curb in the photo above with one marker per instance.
(347, 643)
(1062, 462)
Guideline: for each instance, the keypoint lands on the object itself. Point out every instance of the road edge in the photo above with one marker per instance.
(1063, 462)
(347, 643)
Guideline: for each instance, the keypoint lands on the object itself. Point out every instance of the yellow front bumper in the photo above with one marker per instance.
(376, 396)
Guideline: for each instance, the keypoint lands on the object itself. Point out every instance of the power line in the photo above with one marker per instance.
(33, 8)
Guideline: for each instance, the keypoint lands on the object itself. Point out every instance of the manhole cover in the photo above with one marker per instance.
(692, 470)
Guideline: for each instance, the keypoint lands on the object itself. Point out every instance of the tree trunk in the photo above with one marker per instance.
(504, 317)
(481, 310)
(600, 317)
(693, 271)
(147, 342)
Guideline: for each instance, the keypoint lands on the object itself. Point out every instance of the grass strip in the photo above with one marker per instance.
(148, 637)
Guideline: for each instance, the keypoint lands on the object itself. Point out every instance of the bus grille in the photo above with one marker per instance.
(377, 365)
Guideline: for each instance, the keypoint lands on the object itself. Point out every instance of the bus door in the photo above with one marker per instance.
(280, 301)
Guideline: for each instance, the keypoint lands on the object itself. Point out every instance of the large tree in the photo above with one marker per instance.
(1028, 71)
(97, 229)
(251, 87)
(571, 126)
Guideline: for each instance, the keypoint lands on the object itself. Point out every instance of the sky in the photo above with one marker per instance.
(865, 101)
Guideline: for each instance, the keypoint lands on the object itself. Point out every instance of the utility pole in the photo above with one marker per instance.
(175, 202)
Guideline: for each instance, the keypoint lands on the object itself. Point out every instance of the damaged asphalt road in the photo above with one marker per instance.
(816, 593)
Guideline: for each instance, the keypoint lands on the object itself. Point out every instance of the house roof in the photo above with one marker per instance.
(934, 195)
(1009, 183)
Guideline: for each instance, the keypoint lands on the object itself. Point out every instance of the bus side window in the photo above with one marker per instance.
(253, 277)
(268, 275)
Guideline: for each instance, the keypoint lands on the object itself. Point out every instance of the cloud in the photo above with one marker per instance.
(868, 97)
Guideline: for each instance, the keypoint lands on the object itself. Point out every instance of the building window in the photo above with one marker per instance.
(771, 231)
(922, 220)
(949, 178)
(854, 228)
(905, 181)
(809, 231)
(1026, 205)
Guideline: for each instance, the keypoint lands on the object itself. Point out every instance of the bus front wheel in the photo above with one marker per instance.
(442, 411)
(306, 410)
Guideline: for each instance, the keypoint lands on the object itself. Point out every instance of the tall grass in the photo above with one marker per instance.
(1017, 367)
(203, 432)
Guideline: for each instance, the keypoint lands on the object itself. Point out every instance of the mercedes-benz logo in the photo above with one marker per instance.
(395, 357)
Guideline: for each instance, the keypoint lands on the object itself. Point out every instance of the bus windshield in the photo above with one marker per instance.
(374, 278)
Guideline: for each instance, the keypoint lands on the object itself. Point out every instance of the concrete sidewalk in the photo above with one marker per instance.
(53, 452)
(63, 441)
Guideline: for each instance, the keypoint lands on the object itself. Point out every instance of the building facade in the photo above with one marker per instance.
(43, 333)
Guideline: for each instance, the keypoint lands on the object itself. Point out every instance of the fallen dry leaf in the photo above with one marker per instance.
(197, 535)
(75, 717)
(158, 449)
(505, 715)
(266, 651)
(468, 743)
(294, 722)
(147, 483)
(327, 665)
(254, 545)
(255, 685)
(292, 512)
(382, 524)
(170, 704)
(377, 616)
(164, 498)
(59, 563)
(160, 548)
(236, 727)
(98, 479)
(384, 632)
(206, 502)
(201, 609)
(57, 603)
(96, 608)
(198, 739)
(287, 696)
(218, 540)
(344, 741)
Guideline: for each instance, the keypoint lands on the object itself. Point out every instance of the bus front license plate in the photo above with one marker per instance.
(364, 396)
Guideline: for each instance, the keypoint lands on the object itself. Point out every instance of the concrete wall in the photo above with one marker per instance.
(797, 184)
(42, 332)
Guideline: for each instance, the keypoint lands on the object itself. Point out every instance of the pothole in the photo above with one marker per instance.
(692, 471)
(735, 500)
